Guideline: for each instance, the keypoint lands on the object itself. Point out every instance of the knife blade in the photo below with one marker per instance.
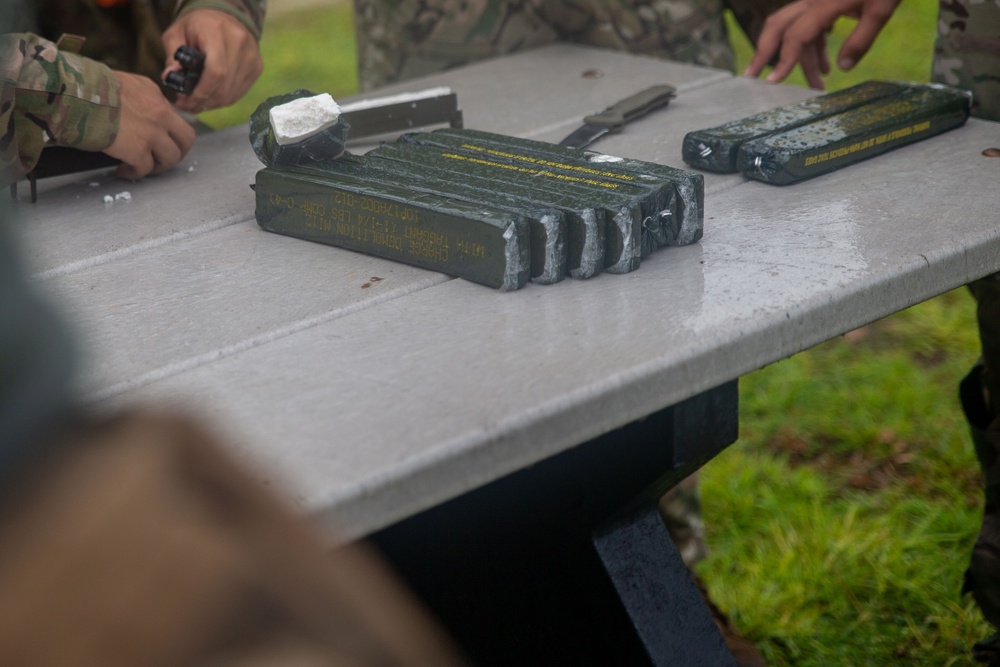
(614, 118)
(403, 112)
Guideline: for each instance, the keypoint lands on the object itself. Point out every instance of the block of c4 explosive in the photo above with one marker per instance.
(686, 225)
(715, 149)
(585, 224)
(915, 113)
(622, 217)
(547, 227)
(682, 220)
(472, 241)
(657, 199)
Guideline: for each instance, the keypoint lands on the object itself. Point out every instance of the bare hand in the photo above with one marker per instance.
(152, 137)
(232, 58)
(798, 32)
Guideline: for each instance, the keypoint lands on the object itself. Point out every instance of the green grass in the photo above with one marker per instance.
(840, 523)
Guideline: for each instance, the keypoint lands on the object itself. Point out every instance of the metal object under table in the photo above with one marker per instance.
(445, 420)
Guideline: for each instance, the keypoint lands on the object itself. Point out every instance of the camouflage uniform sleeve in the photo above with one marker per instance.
(249, 12)
(51, 97)
(967, 52)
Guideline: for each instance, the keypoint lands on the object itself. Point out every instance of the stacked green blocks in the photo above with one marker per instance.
(493, 209)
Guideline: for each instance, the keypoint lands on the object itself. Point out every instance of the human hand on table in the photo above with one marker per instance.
(232, 58)
(797, 34)
(151, 137)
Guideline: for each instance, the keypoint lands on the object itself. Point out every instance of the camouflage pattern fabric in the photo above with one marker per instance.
(127, 36)
(48, 96)
(967, 52)
(403, 39)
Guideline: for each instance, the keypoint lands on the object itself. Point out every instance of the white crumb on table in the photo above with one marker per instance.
(124, 195)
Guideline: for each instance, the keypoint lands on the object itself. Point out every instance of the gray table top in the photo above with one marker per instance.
(369, 400)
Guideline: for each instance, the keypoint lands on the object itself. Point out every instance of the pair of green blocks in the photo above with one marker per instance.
(824, 133)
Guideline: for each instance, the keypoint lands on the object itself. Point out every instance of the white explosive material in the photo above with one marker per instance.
(303, 118)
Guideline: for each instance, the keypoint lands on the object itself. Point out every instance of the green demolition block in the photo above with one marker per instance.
(678, 206)
(547, 226)
(623, 231)
(715, 149)
(915, 113)
(471, 241)
(586, 223)
(655, 201)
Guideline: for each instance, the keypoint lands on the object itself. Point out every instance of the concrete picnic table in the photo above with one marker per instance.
(505, 450)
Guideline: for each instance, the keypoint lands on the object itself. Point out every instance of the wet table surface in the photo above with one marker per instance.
(370, 390)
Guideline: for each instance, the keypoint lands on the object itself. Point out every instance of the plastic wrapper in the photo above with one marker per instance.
(326, 145)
